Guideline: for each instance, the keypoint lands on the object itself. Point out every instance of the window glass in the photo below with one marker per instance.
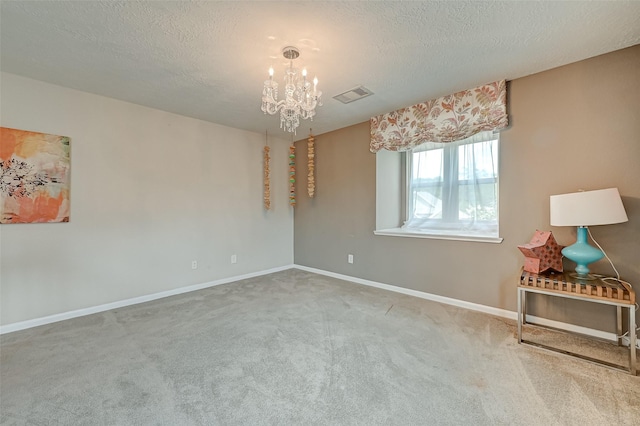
(426, 183)
(453, 188)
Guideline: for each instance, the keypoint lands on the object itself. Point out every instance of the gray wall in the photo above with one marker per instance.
(150, 192)
(573, 127)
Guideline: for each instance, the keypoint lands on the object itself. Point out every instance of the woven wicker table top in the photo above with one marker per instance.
(564, 283)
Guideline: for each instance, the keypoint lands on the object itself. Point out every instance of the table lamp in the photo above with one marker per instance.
(583, 209)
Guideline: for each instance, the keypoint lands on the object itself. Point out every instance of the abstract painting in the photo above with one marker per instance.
(34, 177)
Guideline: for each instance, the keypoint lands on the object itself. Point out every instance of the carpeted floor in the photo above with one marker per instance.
(295, 348)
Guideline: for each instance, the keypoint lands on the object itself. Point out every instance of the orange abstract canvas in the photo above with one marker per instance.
(34, 177)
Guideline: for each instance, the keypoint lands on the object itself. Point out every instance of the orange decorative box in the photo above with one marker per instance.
(542, 253)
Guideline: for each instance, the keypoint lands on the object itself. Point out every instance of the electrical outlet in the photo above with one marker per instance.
(350, 258)
(194, 264)
(234, 258)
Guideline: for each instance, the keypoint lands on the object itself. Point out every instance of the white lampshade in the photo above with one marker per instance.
(587, 208)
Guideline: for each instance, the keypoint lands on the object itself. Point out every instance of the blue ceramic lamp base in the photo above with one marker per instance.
(583, 254)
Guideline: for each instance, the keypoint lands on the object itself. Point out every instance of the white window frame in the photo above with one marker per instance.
(403, 193)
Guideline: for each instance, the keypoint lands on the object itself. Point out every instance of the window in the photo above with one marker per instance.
(452, 188)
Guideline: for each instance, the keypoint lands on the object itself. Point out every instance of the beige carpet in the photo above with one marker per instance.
(296, 348)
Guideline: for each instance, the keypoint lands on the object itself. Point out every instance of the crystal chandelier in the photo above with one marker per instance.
(301, 98)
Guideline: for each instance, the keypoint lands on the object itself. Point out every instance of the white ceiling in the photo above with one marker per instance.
(208, 59)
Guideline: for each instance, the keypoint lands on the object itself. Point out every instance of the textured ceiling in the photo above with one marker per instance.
(208, 60)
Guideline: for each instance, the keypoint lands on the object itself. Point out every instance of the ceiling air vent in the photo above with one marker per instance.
(353, 95)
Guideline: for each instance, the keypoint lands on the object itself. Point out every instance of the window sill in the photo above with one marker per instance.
(399, 232)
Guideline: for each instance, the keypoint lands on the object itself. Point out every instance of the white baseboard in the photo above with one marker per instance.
(422, 295)
(468, 305)
(22, 325)
(573, 328)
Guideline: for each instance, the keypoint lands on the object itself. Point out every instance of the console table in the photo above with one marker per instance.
(608, 292)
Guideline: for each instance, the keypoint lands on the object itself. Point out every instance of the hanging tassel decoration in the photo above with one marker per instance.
(267, 176)
(311, 155)
(292, 175)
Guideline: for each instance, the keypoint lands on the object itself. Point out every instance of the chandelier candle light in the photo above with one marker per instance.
(300, 96)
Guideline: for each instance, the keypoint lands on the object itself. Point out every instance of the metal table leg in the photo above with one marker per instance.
(520, 314)
(619, 325)
(632, 340)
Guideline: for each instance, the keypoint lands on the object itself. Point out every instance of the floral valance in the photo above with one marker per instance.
(447, 119)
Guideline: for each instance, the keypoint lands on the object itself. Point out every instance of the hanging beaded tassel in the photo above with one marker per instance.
(311, 180)
(267, 178)
(292, 175)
